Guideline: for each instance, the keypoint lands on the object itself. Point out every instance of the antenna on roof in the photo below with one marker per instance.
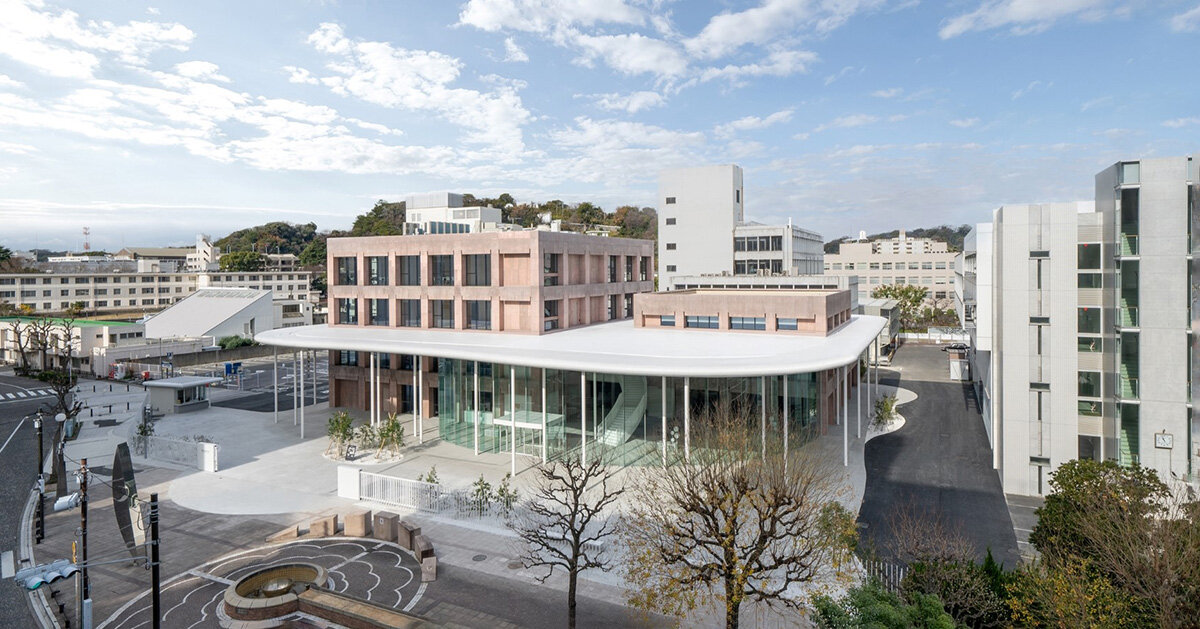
(87, 246)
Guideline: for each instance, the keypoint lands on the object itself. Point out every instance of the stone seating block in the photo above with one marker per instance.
(291, 532)
(407, 535)
(422, 547)
(357, 524)
(429, 569)
(323, 527)
(384, 525)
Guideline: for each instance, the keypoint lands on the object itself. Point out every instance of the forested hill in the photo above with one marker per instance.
(948, 234)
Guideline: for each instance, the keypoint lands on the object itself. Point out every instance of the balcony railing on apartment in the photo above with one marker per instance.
(1127, 317)
(1128, 245)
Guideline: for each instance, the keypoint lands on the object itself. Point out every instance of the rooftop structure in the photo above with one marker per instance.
(215, 312)
(902, 260)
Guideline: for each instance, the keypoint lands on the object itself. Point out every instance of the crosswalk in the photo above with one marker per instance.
(28, 394)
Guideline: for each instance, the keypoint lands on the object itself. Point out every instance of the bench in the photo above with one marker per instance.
(423, 549)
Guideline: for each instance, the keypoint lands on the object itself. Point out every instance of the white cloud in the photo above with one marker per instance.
(846, 122)
(513, 53)
(7, 81)
(742, 149)
(1095, 102)
(964, 123)
(750, 123)
(727, 32)
(829, 80)
(618, 152)
(543, 16)
(1023, 17)
(891, 92)
(201, 70)
(13, 148)
(1178, 123)
(777, 63)
(1033, 85)
(630, 103)
(300, 75)
(420, 80)
(633, 53)
(1187, 22)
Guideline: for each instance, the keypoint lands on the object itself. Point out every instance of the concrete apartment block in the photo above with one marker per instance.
(901, 260)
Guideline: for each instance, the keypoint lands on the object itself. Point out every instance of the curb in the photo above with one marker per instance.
(37, 602)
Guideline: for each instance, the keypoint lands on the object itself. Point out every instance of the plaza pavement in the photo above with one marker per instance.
(269, 478)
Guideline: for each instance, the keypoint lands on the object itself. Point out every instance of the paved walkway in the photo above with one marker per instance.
(939, 462)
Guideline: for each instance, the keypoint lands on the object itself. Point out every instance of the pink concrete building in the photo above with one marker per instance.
(520, 282)
(813, 312)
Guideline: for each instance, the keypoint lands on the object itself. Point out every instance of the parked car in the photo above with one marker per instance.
(958, 347)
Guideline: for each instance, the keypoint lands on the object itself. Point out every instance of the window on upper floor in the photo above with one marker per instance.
(441, 313)
(410, 313)
(441, 270)
(670, 200)
(347, 270)
(479, 314)
(478, 269)
(377, 312)
(409, 269)
(347, 311)
(377, 270)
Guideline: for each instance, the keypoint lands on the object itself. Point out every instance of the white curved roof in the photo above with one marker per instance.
(616, 347)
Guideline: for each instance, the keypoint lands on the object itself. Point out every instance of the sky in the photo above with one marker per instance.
(151, 123)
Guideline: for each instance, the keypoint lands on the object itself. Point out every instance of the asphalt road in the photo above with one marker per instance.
(938, 464)
(18, 467)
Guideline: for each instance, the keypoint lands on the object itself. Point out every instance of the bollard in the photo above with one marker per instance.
(93, 388)
(110, 387)
(127, 388)
(89, 412)
(127, 406)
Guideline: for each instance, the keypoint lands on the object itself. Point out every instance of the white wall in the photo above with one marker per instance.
(708, 205)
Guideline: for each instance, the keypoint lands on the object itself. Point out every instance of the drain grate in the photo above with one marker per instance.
(479, 558)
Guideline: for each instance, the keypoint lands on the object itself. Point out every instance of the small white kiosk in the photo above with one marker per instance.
(181, 394)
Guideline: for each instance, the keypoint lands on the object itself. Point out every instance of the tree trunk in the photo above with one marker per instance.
(733, 604)
(571, 576)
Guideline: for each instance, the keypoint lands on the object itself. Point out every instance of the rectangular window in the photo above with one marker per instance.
(667, 321)
(377, 312)
(1089, 384)
(628, 268)
(347, 271)
(628, 305)
(874, 266)
(670, 246)
(1089, 256)
(377, 270)
(643, 269)
(441, 271)
(551, 263)
(670, 268)
(612, 266)
(348, 358)
(1089, 280)
(409, 268)
(1089, 320)
(671, 221)
(613, 306)
(670, 200)
(1091, 344)
(479, 269)
(747, 323)
(479, 314)
(348, 311)
(1091, 409)
(1131, 172)
(410, 313)
(776, 243)
(441, 311)
(939, 265)
(785, 323)
(887, 266)
(550, 310)
(701, 321)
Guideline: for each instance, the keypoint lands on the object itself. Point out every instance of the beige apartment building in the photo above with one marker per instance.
(902, 260)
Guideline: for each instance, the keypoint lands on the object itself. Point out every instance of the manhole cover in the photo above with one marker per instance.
(515, 565)
(478, 557)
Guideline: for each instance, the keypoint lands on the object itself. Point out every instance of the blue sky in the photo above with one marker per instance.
(150, 123)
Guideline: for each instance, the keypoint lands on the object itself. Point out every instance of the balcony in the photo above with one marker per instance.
(1127, 388)
(1127, 317)
(1127, 245)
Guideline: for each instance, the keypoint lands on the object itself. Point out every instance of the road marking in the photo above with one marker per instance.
(21, 393)
(14, 433)
(210, 577)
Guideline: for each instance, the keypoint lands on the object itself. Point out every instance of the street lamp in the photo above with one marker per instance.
(41, 482)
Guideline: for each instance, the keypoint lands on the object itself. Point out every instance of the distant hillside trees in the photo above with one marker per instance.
(243, 261)
(952, 236)
(273, 237)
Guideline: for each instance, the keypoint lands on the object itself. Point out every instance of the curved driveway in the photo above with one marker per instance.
(939, 462)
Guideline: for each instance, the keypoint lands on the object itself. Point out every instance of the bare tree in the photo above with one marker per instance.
(563, 523)
(40, 329)
(22, 338)
(741, 518)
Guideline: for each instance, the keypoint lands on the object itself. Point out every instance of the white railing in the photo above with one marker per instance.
(195, 454)
(890, 575)
(400, 492)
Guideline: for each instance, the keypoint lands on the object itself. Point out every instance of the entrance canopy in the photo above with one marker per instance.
(617, 347)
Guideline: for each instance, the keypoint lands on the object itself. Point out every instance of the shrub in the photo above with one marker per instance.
(340, 429)
(885, 410)
(870, 605)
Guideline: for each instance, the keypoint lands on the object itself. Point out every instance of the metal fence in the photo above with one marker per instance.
(889, 575)
(195, 454)
(400, 492)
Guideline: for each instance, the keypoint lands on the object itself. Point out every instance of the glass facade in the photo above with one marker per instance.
(633, 418)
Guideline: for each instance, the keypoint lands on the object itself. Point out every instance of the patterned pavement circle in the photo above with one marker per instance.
(380, 572)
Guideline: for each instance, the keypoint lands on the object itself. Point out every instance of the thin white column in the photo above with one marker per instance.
(664, 419)
(302, 395)
(687, 416)
(845, 417)
(275, 379)
(583, 415)
(371, 386)
(858, 380)
(314, 376)
(477, 417)
(295, 389)
(416, 396)
(544, 415)
(512, 405)
(762, 420)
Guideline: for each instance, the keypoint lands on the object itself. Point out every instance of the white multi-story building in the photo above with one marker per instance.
(973, 302)
(902, 260)
(702, 232)
(444, 213)
(1074, 329)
